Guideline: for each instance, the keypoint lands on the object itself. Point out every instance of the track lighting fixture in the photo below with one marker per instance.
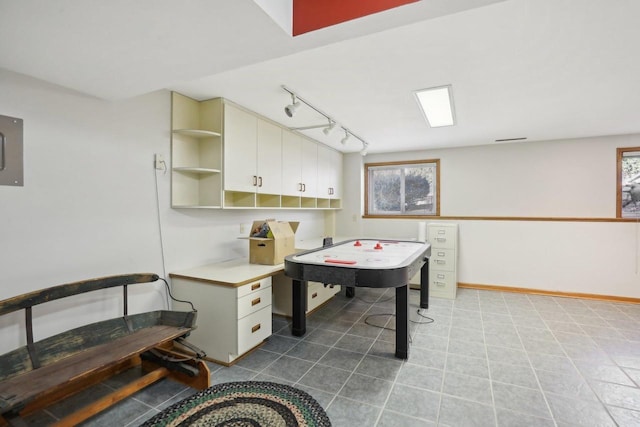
(291, 109)
(296, 101)
(344, 140)
(330, 128)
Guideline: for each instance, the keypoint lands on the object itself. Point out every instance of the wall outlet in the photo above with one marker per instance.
(159, 162)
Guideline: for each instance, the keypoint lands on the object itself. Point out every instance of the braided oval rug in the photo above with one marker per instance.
(245, 404)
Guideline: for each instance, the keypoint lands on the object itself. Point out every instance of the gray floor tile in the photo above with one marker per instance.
(467, 365)
(606, 373)
(323, 336)
(349, 413)
(258, 360)
(571, 385)
(355, 343)
(578, 412)
(625, 417)
(618, 395)
(233, 373)
(468, 387)
(288, 368)
(279, 344)
(394, 419)
(421, 376)
(507, 373)
(508, 355)
(634, 374)
(366, 389)
(508, 418)
(325, 378)
(520, 399)
(414, 402)
(343, 359)
(462, 413)
(379, 367)
(308, 351)
(324, 398)
(467, 348)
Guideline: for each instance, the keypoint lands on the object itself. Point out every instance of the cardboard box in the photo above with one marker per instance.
(272, 250)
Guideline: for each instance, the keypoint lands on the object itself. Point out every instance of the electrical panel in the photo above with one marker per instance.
(11, 151)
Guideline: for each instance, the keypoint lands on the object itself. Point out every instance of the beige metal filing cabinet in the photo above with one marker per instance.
(443, 263)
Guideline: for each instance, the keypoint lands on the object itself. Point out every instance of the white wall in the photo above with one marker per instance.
(560, 179)
(88, 206)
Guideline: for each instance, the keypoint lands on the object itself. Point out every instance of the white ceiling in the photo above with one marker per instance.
(541, 69)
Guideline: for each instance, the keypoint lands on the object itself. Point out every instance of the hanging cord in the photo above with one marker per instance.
(155, 176)
(175, 299)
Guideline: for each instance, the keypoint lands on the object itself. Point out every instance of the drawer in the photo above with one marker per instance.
(442, 236)
(254, 287)
(442, 259)
(443, 284)
(317, 294)
(253, 302)
(253, 329)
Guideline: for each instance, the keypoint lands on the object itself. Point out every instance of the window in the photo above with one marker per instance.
(628, 197)
(403, 188)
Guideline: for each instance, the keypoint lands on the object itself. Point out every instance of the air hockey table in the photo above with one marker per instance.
(362, 263)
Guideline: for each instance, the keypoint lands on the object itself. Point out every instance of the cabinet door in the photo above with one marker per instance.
(240, 153)
(309, 170)
(329, 172)
(291, 167)
(269, 159)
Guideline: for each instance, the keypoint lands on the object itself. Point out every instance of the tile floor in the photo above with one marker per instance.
(488, 359)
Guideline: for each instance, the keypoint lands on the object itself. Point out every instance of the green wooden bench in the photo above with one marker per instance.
(43, 372)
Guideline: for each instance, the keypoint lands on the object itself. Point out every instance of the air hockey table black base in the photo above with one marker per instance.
(354, 276)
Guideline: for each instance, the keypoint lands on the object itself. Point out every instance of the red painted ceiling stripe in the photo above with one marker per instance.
(311, 15)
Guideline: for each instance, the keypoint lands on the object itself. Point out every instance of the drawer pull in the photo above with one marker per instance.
(441, 239)
(255, 328)
(441, 254)
(255, 302)
(440, 261)
(440, 276)
(255, 286)
(441, 231)
(313, 295)
(439, 283)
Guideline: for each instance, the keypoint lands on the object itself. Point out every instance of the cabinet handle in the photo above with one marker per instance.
(441, 231)
(255, 180)
(440, 261)
(315, 294)
(255, 286)
(441, 254)
(255, 302)
(441, 239)
(304, 187)
(255, 328)
(299, 186)
(259, 181)
(440, 276)
(439, 283)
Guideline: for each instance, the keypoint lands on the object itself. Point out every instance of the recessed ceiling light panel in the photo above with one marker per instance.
(437, 105)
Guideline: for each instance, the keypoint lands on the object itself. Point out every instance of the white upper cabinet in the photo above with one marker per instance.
(329, 173)
(240, 150)
(269, 160)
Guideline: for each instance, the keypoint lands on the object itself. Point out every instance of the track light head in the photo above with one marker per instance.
(346, 138)
(330, 128)
(364, 150)
(290, 109)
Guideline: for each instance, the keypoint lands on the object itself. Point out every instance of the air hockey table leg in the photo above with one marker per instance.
(298, 309)
(424, 285)
(402, 322)
(350, 291)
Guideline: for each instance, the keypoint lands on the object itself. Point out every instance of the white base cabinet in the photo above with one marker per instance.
(317, 294)
(231, 320)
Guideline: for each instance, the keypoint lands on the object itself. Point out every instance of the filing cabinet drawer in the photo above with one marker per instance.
(254, 286)
(443, 284)
(442, 236)
(442, 259)
(253, 302)
(253, 329)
